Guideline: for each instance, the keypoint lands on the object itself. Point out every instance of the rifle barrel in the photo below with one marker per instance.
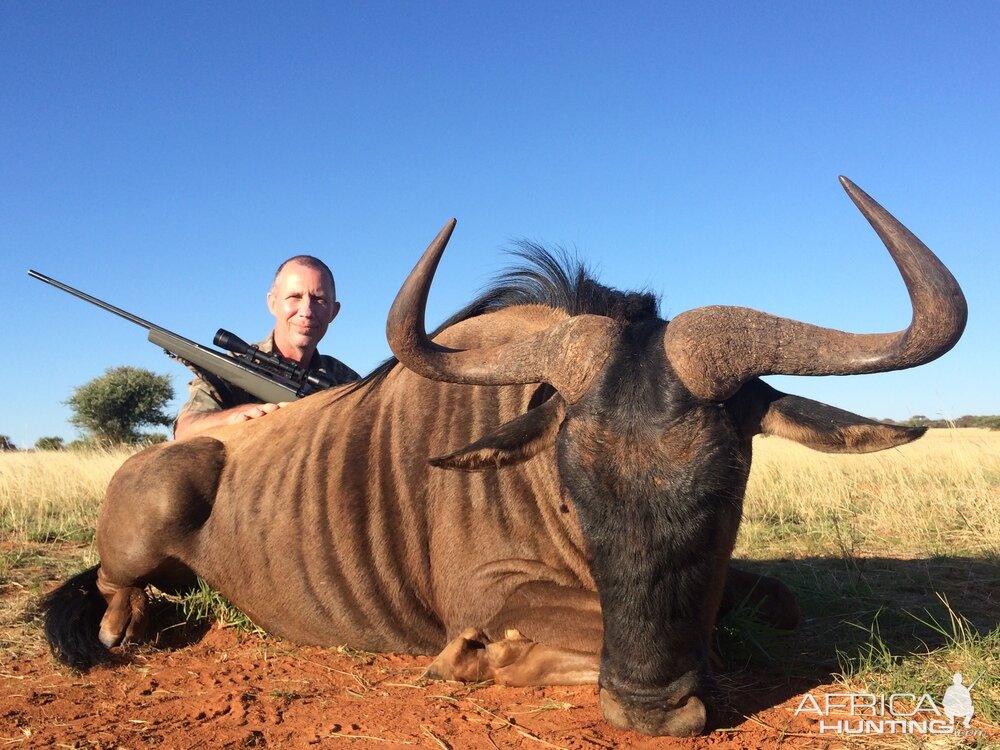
(268, 386)
(93, 300)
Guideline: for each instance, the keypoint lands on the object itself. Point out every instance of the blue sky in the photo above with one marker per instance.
(166, 156)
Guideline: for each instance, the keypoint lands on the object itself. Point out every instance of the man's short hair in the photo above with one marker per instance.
(312, 262)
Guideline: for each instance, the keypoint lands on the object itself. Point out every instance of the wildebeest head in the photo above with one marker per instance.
(652, 423)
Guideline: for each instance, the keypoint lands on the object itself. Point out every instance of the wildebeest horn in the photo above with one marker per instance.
(714, 350)
(566, 356)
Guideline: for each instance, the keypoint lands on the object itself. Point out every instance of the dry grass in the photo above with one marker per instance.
(940, 495)
(937, 496)
(54, 496)
(894, 557)
(48, 511)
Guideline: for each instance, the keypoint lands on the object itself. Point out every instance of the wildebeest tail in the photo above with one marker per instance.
(72, 620)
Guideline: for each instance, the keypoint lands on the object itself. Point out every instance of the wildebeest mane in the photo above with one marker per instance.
(553, 278)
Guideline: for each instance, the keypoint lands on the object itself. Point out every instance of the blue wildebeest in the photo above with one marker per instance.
(546, 492)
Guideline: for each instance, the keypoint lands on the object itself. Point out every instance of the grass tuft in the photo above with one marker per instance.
(203, 603)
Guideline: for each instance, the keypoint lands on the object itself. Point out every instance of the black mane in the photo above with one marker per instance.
(543, 277)
(553, 278)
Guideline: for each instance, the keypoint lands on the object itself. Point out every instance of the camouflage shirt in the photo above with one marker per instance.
(208, 392)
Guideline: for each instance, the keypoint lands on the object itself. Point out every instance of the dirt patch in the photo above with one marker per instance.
(212, 687)
(231, 690)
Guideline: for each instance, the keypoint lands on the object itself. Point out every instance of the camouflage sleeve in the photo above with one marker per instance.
(202, 397)
(337, 370)
(208, 393)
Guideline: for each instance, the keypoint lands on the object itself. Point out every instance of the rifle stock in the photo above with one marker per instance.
(268, 386)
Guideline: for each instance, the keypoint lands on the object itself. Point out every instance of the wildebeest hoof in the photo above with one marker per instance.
(126, 617)
(473, 657)
(464, 659)
(771, 601)
(777, 605)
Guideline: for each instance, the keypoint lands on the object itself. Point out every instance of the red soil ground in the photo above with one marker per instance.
(233, 690)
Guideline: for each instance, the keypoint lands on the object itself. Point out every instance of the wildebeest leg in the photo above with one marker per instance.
(514, 661)
(546, 634)
(154, 507)
(772, 600)
(127, 615)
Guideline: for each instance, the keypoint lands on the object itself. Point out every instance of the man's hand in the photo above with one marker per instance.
(194, 423)
(250, 411)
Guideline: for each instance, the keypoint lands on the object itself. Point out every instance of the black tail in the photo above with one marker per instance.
(72, 620)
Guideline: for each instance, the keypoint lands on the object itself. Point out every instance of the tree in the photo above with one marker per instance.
(112, 407)
(49, 444)
(6, 444)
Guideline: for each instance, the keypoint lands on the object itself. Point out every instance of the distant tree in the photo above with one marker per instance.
(50, 444)
(111, 408)
(83, 444)
(919, 420)
(968, 420)
(989, 422)
(6, 444)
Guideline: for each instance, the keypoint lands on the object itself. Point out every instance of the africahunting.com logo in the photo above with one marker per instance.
(896, 713)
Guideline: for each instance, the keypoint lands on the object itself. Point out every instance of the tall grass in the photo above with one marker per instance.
(937, 496)
(48, 511)
(940, 495)
(54, 496)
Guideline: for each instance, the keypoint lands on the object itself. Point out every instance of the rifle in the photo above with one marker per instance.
(267, 376)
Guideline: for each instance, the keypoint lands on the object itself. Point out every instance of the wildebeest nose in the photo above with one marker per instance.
(686, 719)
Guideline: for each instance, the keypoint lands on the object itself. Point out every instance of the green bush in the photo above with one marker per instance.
(50, 444)
(111, 408)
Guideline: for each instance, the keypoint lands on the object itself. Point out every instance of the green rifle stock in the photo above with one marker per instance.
(271, 387)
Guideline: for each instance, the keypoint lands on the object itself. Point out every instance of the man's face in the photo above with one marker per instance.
(302, 302)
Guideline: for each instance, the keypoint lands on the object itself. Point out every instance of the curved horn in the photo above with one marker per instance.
(714, 350)
(566, 356)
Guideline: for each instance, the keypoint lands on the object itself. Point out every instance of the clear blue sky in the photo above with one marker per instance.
(166, 156)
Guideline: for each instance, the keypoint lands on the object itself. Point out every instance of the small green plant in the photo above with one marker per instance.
(743, 639)
(205, 603)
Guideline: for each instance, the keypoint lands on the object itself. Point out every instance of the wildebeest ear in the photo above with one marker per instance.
(814, 424)
(514, 441)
